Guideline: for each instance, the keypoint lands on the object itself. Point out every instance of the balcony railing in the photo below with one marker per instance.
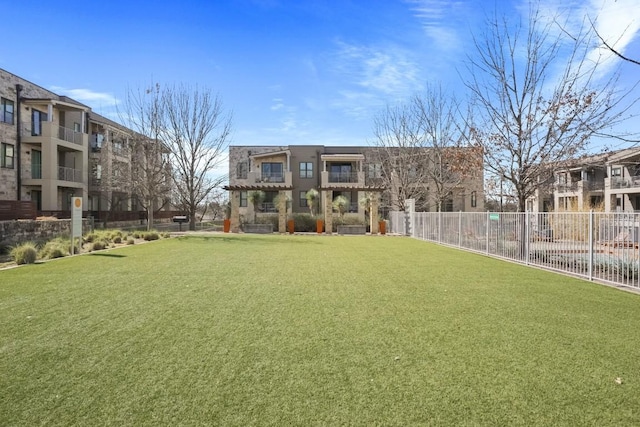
(269, 207)
(70, 135)
(272, 177)
(343, 176)
(34, 132)
(69, 174)
(579, 186)
(625, 183)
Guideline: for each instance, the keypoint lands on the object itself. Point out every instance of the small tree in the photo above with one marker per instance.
(256, 198)
(365, 202)
(312, 199)
(282, 197)
(341, 204)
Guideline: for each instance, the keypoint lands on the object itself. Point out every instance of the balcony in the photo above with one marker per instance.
(342, 179)
(617, 183)
(277, 179)
(579, 186)
(272, 177)
(49, 131)
(69, 174)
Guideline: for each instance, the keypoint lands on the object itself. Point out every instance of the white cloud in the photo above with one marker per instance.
(616, 21)
(87, 96)
(441, 20)
(387, 70)
(277, 104)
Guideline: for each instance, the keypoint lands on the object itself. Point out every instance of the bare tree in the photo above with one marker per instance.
(421, 151)
(538, 99)
(144, 112)
(196, 131)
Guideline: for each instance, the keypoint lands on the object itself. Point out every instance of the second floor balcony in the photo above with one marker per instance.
(270, 178)
(45, 132)
(69, 174)
(617, 183)
(579, 186)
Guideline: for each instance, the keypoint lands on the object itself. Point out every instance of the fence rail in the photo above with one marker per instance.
(597, 246)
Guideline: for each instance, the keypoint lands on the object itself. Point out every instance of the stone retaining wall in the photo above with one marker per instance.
(15, 232)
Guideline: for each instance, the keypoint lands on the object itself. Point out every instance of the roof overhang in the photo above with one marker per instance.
(56, 103)
(341, 157)
(271, 154)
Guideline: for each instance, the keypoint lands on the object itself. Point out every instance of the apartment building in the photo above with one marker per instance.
(610, 181)
(291, 171)
(53, 148)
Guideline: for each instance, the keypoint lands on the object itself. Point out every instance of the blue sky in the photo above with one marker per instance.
(292, 72)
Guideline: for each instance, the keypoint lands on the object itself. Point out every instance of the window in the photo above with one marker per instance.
(242, 170)
(306, 170)
(374, 170)
(243, 199)
(36, 164)
(562, 178)
(76, 127)
(6, 111)
(37, 117)
(341, 172)
(272, 172)
(303, 199)
(6, 156)
(616, 172)
(474, 199)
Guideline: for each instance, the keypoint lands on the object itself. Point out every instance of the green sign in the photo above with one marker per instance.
(494, 217)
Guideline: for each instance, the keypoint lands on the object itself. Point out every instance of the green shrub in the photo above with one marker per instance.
(98, 245)
(151, 235)
(131, 241)
(26, 253)
(56, 248)
(305, 222)
(117, 239)
(268, 219)
(165, 235)
(115, 234)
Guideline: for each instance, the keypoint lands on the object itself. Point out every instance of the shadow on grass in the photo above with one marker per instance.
(109, 255)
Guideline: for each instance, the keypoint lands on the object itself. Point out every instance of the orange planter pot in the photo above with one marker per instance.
(319, 225)
(226, 225)
(290, 226)
(382, 227)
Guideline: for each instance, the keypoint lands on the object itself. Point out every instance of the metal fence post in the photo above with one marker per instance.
(459, 229)
(590, 267)
(526, 236)
(487, 233)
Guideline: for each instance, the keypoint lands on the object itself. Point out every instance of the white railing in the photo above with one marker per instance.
(596, 246)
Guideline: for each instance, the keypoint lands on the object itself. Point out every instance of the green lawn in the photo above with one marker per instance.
(308, 330)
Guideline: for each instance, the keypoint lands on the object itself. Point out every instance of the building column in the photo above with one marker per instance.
(373, 213)
(235, 211)
(327, 199)
(282, 212)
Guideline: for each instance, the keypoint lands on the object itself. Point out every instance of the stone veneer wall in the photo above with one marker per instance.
(8, 133)
(15, 232)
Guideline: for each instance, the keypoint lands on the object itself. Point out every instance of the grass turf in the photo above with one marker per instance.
(309, 330)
